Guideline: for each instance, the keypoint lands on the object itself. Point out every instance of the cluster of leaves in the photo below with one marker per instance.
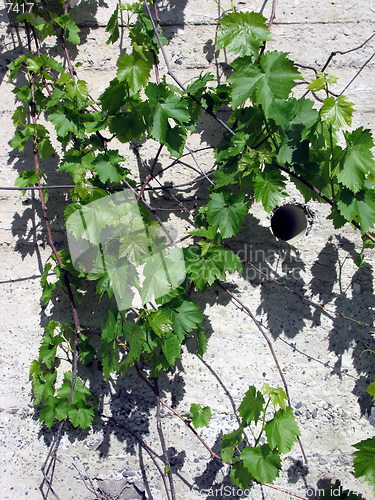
(273, 134)
(59, 403)
(277, 432)
(273, 130)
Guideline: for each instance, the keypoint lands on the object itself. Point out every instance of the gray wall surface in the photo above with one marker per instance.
(319, 351)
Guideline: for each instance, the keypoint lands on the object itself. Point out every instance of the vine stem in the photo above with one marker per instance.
(231, 131)
(148, 450)
(54, 447)
(162, 442)
(270, 346)
(191, 428)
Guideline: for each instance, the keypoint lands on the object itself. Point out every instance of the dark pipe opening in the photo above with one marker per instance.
(289, 223)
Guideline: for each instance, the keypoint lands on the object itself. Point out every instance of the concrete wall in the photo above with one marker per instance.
(319, 351)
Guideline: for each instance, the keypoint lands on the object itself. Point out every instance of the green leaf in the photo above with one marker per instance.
(364, 461)
(185, 318)
(206, 269)
(113, 27)
(77, 88)
(113, 96)
(26, 178)
(201, 340)
(134, 70)
(107, 171)
(262, 462)
(43, 385)
(171, 347)
(65, 121)
(45, 148)
(229, 443)
(49, 344)
(358, 160)
(242, 33)
(160, 323)
(109, 326)
(130, 126)
(321, 82)
(273, 79)
(81, 417)
(251, 406)
(228, 212)
(277, 396)
(282, 430)
(164, 105)
(359, 207)
(240, 476)
(110, 357)
(371, 390)
(200, 416)
(70, 28)
(47, 413)
(162, 272)
(135, 340)
(175, 140)
(337, 111)
(44, 27)
(19, 116)
(269, 188)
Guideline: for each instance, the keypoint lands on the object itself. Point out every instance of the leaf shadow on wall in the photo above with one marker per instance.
(356, 301)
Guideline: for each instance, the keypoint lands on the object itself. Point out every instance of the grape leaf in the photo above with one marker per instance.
(277, 396)
(160, 323)
(359, 207)
(185, 318)
(135, 339)
(251, 406)
(273, 79)
(65, 121)
(110, 357)
(200, 416)
(206, 269)
(229, 443)
(364, 461)
(134, 70)
(19, 116)
(201, 340)
(81, 417)
(262, 462)
(129, 126)
(269, 187)
(282, 430)
(321, 81)
(228, 212)
(109, 326)
(113, 96)
(26, 178)
(242, 33)
(70, 28)
(80, 392)
(43, 385)
(164, 105)
(171, 347)
(358, 161)
(240, 476)
(113, 27)
(337, 111)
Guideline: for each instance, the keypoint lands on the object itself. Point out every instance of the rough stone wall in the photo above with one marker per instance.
(319, 351)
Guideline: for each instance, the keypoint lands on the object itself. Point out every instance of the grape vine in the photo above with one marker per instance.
(271, 141)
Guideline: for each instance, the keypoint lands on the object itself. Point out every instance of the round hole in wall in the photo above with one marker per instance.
(289, 223)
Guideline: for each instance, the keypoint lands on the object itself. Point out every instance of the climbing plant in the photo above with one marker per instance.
(270, 141)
